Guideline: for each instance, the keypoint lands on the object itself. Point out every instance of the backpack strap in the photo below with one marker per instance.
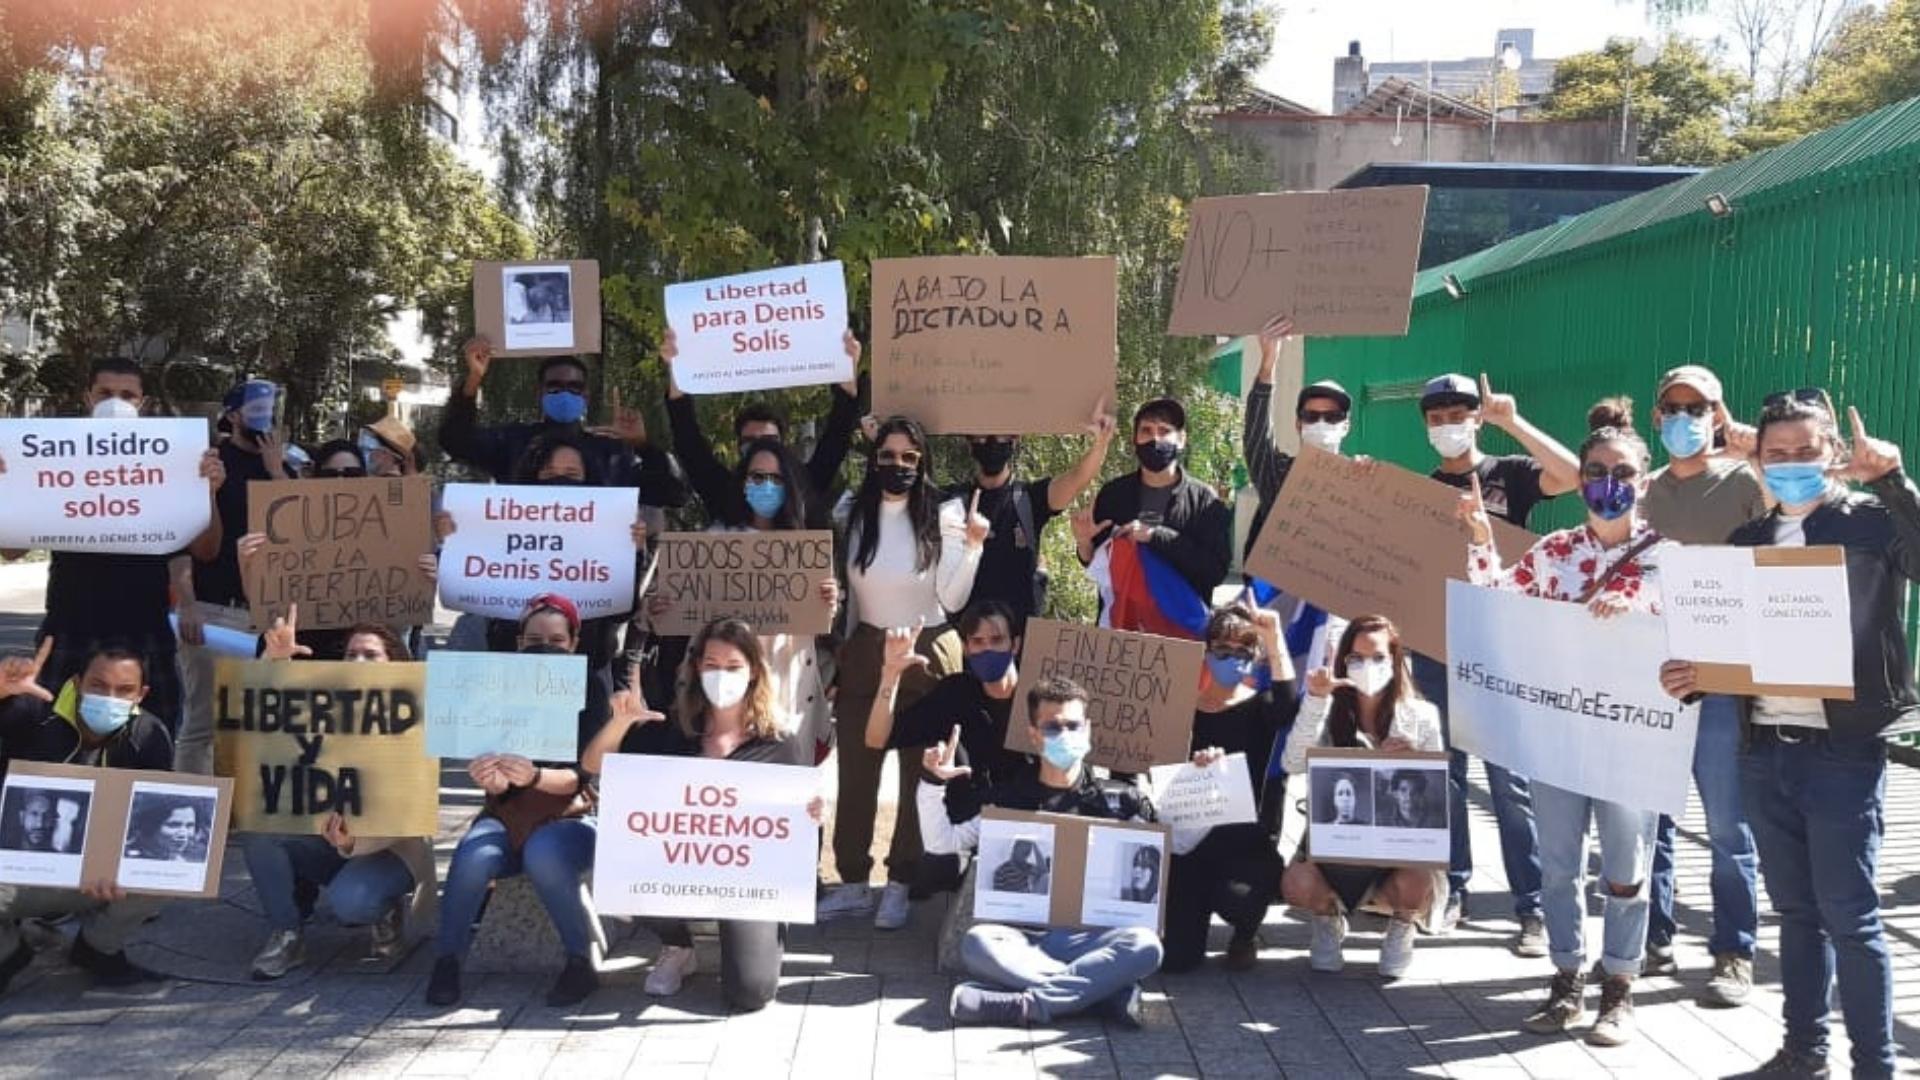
(1619, 564)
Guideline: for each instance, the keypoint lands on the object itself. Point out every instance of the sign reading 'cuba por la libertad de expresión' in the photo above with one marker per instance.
(512, 543)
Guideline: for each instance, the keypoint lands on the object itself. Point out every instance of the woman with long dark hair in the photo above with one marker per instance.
(911, 559)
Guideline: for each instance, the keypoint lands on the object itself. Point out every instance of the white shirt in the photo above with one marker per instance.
(1790, 531)
(892, 591)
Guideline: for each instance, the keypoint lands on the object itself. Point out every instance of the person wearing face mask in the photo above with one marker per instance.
(1019, 510)
(911, 556)
(94, 598)
(1321, 415)
(1368, 700)
(1232, 870)
(1701, 497)
(372, 881)
(1812, 772)
(1454, 408)
(1160, 507)
(94, 719)
(759, 420)
(1610, 565)
(539, 819)
(1038, 976)
(726, 711)
(388, 448)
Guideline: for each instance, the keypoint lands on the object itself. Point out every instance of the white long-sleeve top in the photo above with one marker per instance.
(1416, 721)
(893, 592)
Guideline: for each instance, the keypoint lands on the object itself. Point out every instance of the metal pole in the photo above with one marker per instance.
(1626, 104)
(1493, 133)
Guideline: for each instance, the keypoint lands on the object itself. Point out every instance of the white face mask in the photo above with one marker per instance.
(725, 689)
(1324, 436)
(1451, 440)
(1371, 677)
(114, 408)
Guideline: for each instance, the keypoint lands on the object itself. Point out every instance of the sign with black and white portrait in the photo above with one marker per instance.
(1377, 808)
(538, 308)
(62, 826)
(169, 835)
(43, 829)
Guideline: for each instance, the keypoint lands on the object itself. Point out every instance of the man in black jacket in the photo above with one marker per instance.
(1160, 507)
(94, 720)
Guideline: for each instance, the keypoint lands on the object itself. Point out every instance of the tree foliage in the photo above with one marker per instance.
(1871, 60)
(1681, 103)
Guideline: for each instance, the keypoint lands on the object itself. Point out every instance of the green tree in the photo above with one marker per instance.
(1871, 60)
(1680, 103)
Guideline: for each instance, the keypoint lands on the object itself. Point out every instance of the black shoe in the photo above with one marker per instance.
(443, 988)
(305, 895)
(1122, 1008)
(108, 969)
(1799, 1066)
(15, 964)
(1243, 952)
(577, 981)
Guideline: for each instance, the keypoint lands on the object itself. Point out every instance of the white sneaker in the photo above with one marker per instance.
(674, 964)
(1396, 949)
(892, 914)
(1329, 931)
(842, 901)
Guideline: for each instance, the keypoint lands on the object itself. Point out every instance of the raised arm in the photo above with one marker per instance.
(1062, 490)
(1560, 469)
(963, 534)
(1265, 463)
(836, 436)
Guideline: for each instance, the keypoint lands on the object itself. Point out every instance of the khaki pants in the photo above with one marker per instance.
(105, 926)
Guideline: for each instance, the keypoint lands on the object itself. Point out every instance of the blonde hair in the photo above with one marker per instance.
(758, 715)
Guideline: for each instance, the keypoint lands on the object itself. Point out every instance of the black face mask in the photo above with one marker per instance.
(993, 456)
(896, 479)
(1157, 455)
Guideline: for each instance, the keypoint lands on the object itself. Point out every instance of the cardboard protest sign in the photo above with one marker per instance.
(1340, 262)
(1378, 808)
(491, 703)
(513, 542)
(302, 739)
(1142, 690)
(159, 833)
(1524, 691)
(1071, 872)
(994, 345)
(1190, 797)
(697, 838)
(129, 487)
(1371, 540)
(761, 331)
(538, 308)
(347, 551)
(1775, 621)
(770, 579)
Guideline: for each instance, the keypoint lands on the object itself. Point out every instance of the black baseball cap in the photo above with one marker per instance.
(1450, 389)
(1325, 388)
(1171, 410)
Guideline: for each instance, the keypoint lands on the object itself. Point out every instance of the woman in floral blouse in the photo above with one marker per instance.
(1608, 564)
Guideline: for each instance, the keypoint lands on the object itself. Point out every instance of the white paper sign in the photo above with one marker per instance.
(1013, 881)
(1802, 626)
(1705, 594)
(537, 302)
(695, 838)
(1552, 693)
(123, 486)
(1187, 798)
(761, 331)
(512, 543)
(1786, 624)
(43, 829)
(487, 703)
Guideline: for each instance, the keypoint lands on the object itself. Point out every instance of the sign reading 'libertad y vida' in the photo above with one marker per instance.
(513, 543)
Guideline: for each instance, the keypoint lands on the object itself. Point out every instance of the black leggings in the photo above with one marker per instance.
(750, 956)
(1234, 873)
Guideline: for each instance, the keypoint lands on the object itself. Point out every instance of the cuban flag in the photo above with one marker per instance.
(1141, 591)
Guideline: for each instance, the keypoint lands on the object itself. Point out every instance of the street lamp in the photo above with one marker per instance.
(1508, 59)
(1642, 55)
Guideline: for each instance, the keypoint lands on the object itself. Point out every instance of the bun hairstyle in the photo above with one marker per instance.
(1611, 421)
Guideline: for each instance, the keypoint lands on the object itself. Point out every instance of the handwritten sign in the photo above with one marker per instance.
(491, 703)
(151, 832)
(694, 838)
(1191, 797)
(1071, 872)
(130, 487)
(761, 331)
(346, 551)
(303, 739)
(538, 309)
(994, 345)
(770, 579)
(512, 543)
(1141, 688)
(1773, 621)
(1339, 262)
(1371, 540)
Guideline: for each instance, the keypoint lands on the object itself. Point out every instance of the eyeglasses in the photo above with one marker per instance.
(1624, 473)
(1695, 409)
(757, 476)
(1323, 416)
(1806, 395)
(1237, 657)
(988, 440)
(1056, 727)
(909, 458)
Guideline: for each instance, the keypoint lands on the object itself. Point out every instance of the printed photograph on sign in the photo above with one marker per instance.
(1342, 796)
(1403, 798)
(1378, 808)
(1014, 881)
(168, 835)
(1125, 878)
(43, 830)
(538, 302)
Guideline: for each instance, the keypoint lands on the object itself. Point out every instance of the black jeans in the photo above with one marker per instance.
(1234, 873)
(750, 957)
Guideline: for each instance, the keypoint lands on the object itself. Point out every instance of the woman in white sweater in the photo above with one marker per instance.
(911, 559)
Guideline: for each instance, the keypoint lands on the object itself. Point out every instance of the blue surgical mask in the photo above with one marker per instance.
(563, 406)
(1608, 497)
(1797, 483)
(765, 497)
(1064, 751)
(991, 665)
(1229, 671)
(104, 715)
(1684, 436)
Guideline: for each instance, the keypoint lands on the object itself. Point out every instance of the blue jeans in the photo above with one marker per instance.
(1512, 808)
(1626, 857)
(1062, 971)
(359, 889)
(1816, 809)
(1734, 883)
(557, 857)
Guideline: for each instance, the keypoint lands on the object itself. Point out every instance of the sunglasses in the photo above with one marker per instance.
(1806, 395)
(339, 474)
(909, 458)
(1626, 474)
(1323, 416)
(1694, 409)
(989, 440)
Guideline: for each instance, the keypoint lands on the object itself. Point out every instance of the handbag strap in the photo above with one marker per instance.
(1619, 564)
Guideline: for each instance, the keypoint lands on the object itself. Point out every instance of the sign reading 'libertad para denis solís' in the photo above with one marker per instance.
(513, 543)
